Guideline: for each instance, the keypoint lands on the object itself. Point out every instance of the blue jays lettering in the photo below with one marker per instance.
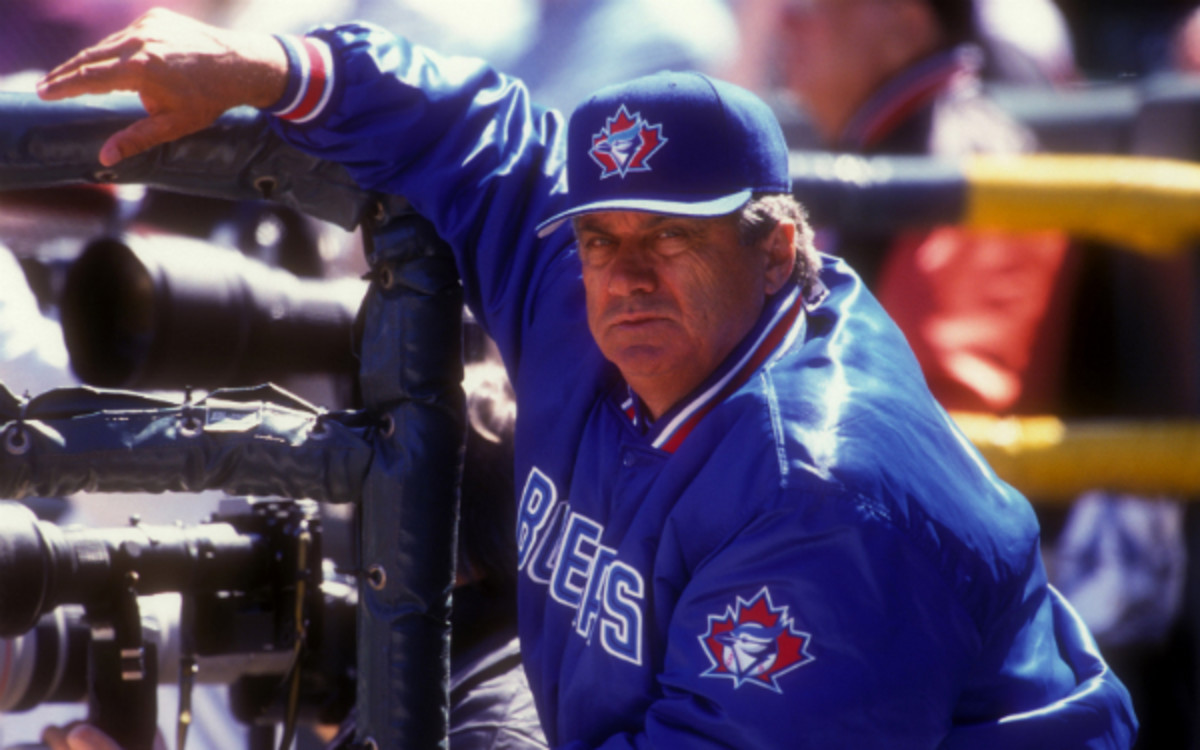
(560, 548)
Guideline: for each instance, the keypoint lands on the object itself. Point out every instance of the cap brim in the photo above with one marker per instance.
(726, 204)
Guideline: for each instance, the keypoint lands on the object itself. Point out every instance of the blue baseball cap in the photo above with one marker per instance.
(671, 143)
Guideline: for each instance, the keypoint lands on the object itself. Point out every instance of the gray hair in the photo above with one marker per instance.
(759, 217)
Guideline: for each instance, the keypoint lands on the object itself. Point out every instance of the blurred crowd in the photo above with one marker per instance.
(1002, 323)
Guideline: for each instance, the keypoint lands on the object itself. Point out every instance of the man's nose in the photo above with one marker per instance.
(632, 271)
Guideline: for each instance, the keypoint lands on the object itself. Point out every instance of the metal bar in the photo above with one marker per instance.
(1053, 461)
(255, 441)
(412, 373)
(44, 144)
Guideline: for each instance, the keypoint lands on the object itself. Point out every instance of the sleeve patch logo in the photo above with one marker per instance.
(625, 144)
(754, 643)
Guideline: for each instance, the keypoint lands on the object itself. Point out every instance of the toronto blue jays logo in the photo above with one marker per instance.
(754, 643)
(625, 144)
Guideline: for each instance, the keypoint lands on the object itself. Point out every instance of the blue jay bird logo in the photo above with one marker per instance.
(625, 144)
(754, 643)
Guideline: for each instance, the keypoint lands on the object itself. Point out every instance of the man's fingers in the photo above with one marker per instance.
(79, 735)
(55, 738)
(148, 133)
(106, 55)
(87, 737)
(96, 78)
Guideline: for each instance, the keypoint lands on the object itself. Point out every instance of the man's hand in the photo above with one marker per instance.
(78, 737)
(85, 737)
(187, 74)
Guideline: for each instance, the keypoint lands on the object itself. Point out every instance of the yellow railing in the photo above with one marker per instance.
(1052, 461)
(1147, 204)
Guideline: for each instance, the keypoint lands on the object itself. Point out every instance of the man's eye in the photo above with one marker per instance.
(671, 241)
(596, 250)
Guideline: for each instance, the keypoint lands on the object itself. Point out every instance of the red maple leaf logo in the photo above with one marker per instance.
(625, 144)
(754, 642)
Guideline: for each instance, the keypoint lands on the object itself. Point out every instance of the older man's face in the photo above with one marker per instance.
(669, 297)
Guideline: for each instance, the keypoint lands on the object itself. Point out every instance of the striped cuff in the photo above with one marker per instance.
(310, 79)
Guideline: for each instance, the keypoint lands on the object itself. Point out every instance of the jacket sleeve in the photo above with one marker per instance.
(456, 138)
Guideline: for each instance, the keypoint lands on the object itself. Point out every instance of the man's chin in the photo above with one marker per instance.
(644, 361)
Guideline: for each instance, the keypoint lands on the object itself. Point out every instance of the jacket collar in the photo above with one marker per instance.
(782, 322)
(913, 89)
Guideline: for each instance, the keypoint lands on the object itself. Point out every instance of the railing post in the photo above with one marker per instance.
(411, 375)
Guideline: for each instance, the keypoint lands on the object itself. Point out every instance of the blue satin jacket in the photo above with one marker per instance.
(805, 552)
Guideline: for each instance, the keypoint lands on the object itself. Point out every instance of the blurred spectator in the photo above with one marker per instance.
(33, 356)
(492, 29)
(563, 49)
(1122, 561)
(1026, 42)
(1185, 44)
(984, 311)
(1122, 38)
(582, 45)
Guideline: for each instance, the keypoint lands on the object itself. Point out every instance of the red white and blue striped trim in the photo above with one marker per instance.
(785, 323)
(310, 79)
(903, 95)
(630, 407)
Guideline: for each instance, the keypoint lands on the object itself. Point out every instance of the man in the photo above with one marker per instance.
(985, 312)
(743, 520)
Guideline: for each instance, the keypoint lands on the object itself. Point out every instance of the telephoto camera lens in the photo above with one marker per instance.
(23, 570)
(48, 664)
(235, 579)
(43, 565)
(170, 311)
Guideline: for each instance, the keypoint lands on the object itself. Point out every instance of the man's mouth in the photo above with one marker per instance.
(636, 318)
(637, 321)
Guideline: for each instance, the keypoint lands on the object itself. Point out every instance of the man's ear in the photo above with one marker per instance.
(781, 255)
